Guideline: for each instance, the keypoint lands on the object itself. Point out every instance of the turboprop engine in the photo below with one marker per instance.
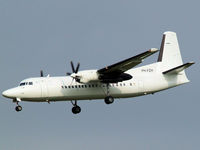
(86, 76)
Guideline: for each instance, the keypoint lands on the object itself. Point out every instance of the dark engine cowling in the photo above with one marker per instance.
(114, 78)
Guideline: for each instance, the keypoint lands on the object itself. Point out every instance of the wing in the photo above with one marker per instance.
(115, 73)
(126, 64)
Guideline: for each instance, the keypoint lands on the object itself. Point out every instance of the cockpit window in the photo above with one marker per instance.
(22, 84)
(26, 83)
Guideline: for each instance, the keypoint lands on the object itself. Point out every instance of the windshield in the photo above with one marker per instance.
(26, 83)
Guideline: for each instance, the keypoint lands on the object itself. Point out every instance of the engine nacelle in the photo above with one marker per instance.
(87, 76)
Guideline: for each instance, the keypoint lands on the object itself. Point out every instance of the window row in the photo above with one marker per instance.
(95, 85)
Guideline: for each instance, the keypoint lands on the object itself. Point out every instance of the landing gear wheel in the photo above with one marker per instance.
(18, 108)
(76, 109)
(109, 100)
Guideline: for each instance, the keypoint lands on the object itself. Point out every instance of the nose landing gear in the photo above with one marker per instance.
(18, 107)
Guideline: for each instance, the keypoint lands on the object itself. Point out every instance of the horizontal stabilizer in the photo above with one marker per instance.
(178, 69)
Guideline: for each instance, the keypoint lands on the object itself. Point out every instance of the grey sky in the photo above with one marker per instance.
(47, 34)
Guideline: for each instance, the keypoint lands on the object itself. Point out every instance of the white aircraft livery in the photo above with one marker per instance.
(120, 80)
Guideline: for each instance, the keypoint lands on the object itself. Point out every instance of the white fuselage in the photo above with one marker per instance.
(146, 80)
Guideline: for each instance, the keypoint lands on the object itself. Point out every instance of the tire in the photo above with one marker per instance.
(76, 109)
(109, 100)
(18, 108)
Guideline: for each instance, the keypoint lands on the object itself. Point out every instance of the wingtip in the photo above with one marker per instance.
(192, 62)
(153, 50)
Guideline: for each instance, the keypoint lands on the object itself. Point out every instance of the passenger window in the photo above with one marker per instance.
(66, 87)
(72, 86)
(79, 86)
(30, 83)
(69, 87)
(130, 84)
(89, 85)
(82, 86)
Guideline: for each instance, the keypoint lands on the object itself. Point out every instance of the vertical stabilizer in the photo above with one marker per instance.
(170, 55)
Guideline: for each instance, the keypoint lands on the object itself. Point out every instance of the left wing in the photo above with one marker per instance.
(127, 64)
(115, 72)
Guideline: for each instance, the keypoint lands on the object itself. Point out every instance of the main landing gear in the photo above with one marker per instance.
(75, 109)
(108, 99)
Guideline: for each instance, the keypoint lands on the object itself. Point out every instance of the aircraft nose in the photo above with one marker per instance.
(8, 93)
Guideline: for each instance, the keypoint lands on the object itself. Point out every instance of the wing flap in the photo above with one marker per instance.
(178, 69)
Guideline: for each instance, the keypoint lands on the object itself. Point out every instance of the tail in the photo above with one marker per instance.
(170, 57)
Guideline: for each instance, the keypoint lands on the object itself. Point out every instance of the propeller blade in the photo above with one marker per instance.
(68, 73)
(72, 65)
(72, 81)
(41, 73)
(77, 67)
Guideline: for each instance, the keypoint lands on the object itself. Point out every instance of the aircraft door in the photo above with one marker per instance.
(140, 87)
(44, 89)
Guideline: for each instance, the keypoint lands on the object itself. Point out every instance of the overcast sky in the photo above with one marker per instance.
(47, 34)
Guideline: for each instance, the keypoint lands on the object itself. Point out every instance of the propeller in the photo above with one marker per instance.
(74, 71)
(41, 73)
(73, 68)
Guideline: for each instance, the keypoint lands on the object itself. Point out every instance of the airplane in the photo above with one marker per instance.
(119, 80)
